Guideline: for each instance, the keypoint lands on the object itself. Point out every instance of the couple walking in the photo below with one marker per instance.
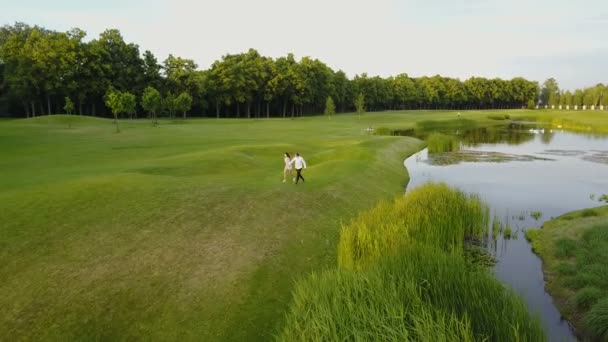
(298, 162)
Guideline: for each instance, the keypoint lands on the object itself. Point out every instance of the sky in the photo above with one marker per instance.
(536, 39)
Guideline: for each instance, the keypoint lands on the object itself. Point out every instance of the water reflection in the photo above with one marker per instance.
(528, 174)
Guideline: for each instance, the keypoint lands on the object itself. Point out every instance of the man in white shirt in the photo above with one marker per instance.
(300, 164)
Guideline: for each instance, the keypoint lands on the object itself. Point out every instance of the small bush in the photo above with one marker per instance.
(383, 131)
(499, 117)
(588, 213)
(587, 296)
(565, 248)
(597, 320)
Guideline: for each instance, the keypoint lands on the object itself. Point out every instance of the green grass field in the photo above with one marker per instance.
(574, 249)
(184, 230)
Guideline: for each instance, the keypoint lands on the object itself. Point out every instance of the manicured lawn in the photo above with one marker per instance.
(181, 231)
(574, 249)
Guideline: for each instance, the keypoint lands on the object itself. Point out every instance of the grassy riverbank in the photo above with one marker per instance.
(184, 230)
(574, 249)
(402, 275)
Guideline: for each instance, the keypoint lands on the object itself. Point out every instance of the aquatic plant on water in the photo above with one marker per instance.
(536, 215)
(438, 142)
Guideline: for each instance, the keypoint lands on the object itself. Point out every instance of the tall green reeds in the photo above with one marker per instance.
(402, 276)
(438, 142)
(433, 214)
(419, 294)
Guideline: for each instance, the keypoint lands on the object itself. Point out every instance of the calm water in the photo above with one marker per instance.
(517, 170)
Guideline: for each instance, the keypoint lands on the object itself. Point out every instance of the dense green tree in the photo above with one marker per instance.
(183, 103)
(114, 101)
(330, 107)
(549, 94)
(360, 104)
(342, 91)
(567, 96)
(129, 103)
(182, 76)
(151, 101)
(120, 62)
(39, 68)
(169, 104)
(68, 107)
(577, 98)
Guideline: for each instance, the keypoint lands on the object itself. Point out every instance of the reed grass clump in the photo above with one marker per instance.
(596, 320)
(403, 275)
(438, 142)
(508, 233)
(587, 296)
(383, 131)
(433, 214)
(496, 227)
(536, 215)
(420, 294)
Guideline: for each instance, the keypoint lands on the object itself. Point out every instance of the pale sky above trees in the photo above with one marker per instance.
(535, 39)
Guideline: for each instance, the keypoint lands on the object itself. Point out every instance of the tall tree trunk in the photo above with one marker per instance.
(79, 107)
(116, 122)
(184, 115)
(217, 110)
(238, 110)
(33, 109)
(293, 109)
(268, 110)
(48, 104)
(285, 109)
(94, 109)
(27, 109)
(248, 110)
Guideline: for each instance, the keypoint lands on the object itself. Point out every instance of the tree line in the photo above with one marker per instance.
(551, 95)
(42, 71)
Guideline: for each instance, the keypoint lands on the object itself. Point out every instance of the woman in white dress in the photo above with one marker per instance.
(288, 170)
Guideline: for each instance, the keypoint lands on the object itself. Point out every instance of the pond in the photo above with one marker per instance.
(527, 174)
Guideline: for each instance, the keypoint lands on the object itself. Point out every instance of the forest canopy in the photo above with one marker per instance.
(42, 70)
